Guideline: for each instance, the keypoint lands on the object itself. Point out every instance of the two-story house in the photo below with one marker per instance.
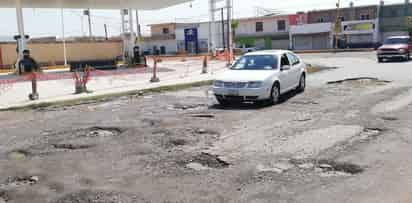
(267, 32)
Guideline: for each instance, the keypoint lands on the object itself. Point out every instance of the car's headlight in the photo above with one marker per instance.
(218, 83)
(254, 84)
(402, 50)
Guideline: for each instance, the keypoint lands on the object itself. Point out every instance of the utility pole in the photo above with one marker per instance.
(87, 12)
(338, 25)
(212, 26)
(223, 29)
(105, 32)
(138, 30)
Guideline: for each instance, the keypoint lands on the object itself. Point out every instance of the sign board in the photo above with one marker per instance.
(409, 21)
(369, 26)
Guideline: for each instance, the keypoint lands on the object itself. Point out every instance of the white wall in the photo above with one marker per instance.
(270, 26)
(171, 45)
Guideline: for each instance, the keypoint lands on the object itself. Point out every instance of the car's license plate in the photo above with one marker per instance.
(233, 92)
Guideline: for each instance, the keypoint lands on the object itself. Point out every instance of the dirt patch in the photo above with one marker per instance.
(13, 182)
(310, 69)
(98, 197)
(69, 146)
(208, 160)
(360, 82)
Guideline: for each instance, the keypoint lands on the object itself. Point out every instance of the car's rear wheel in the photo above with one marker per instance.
(302, 83)
(275, 94)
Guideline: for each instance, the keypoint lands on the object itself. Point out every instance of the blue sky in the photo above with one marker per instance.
(46, 22)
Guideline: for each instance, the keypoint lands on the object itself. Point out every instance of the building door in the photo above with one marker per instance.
(303, 42)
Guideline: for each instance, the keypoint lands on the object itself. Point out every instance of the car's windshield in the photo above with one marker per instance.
(256, 62)
(396, 41)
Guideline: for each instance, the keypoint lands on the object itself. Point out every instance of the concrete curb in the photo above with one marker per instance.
(109, 96)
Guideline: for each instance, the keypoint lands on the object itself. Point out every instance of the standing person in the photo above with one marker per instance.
(29, 65)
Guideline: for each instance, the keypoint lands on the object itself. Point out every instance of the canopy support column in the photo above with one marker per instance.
(63, 38)
(21, 40)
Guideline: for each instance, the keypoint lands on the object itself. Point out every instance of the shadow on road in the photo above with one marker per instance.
(255, 105)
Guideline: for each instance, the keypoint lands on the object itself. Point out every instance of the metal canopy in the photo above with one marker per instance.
(93, 4)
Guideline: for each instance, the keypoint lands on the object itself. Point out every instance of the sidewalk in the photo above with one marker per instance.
(62, 90)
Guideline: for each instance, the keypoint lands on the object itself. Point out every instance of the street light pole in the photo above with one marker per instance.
(337, 25)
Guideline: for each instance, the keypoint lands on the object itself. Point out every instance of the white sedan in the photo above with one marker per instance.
(261, 76)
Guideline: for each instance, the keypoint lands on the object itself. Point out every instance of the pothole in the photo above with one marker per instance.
(98, 197)
(70, 146)
(186, 107)
(326, 167)
(360, 82)
(103, 132)
(170, 143)
(4, 197)
(208, 160)
(203, 116)
(150, 122)
(18, 155)
(13, 182)
(202, 131)
(389, 118)
(305, 102)
(371, 133)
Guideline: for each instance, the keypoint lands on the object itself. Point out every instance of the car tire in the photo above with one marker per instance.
(302, 83)
(275, 94)
(408, 57)
(380, 60)
(223, 102)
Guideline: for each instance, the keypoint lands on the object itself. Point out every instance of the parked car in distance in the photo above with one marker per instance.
(246, 49)
(397, 47)
(261, 76)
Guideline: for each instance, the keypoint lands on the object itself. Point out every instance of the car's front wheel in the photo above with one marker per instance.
(223, 102)
(302, 83)
(275, 94)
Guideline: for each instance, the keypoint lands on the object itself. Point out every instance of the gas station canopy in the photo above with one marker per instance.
(93, 4)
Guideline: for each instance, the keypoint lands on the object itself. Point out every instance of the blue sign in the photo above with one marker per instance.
(191, 40)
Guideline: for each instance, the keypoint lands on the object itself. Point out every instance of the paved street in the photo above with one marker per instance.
(346, 141)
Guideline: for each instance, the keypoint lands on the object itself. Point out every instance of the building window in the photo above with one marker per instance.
(166, 30)
(341, 18)
(281, 25)
(259, 26)
(364, 16)
(321, 20)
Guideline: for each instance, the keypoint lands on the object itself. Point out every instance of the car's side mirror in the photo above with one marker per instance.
(285, 67)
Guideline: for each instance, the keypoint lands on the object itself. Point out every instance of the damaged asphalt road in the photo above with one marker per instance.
(334, 143)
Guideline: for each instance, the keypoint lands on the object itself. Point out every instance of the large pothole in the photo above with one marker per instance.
(88, 196)
(360, 82)
(4, 198)
(325, 167)
(103, 132)
(188, 107)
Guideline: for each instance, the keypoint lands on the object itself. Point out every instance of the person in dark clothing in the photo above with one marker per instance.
(28, 64)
